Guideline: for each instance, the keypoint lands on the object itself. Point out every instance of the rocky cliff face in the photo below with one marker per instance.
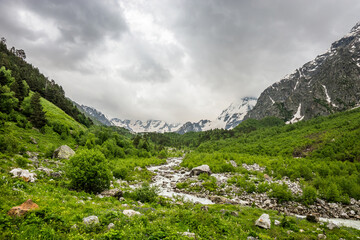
(93, 114)
(329, 83)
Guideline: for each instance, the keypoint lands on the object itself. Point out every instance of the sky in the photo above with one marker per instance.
(172, 60)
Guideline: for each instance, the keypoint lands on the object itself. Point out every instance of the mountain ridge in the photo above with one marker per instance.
(327, 84)
(228, 119)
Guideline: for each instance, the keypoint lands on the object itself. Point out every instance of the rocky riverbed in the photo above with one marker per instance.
(170, 174)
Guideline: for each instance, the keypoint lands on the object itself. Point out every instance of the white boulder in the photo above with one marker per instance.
(264, 221)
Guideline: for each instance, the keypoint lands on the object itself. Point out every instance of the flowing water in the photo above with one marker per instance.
(167, 177)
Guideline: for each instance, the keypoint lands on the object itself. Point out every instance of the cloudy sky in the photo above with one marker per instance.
(174, 60)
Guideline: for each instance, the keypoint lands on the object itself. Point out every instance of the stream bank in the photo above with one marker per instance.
(170, 174)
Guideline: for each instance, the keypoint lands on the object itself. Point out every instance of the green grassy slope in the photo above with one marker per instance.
(323, 152)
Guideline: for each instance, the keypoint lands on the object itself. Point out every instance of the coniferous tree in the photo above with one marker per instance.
(21, 89)
(37, 116)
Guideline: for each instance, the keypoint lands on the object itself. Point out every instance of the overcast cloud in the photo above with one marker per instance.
(175, 60)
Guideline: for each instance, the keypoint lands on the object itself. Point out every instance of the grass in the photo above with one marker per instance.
(61, 208)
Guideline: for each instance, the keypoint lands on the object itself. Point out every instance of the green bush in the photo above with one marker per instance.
(309, 195)
(263, 187)
(88, 171)
(120, 172)
(9, 144)
(182, 185)
(21, 161)
(280, 192)
(210, 185)
(145, 193)
(332, 193)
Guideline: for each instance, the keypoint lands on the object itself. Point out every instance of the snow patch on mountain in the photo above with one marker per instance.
(146, 126)
(228, 119)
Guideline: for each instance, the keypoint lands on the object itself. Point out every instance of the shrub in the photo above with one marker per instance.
(145, 193)
(120, 172)
(204, 176)
(9, 144)
(332, 193)
(182, 185)
(263, 187)
(251, 187)
(210, 185)
(21, 161)
(88, 171)
(281, 192)
(309, 195)
(163, 154)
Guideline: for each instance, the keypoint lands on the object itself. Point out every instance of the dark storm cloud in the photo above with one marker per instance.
(250, 44)
(80, 26)
(175, 60)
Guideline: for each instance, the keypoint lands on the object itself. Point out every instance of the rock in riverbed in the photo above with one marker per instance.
(200, 169)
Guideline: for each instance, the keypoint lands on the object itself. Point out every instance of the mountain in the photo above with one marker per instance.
(228, 119)
(95, 115)
(194, 127)
(146, 126)
(328, 84)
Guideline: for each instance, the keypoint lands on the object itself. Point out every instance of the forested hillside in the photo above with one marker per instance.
(14, 60)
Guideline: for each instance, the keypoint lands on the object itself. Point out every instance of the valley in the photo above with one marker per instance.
(283, 166)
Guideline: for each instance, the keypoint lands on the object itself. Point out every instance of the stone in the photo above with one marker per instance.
(200, 169)
(130, 213)
(233, 163)
(110, 226)
(267, 202)
(221, 200)
(277, 222)
(55, 174)
(205, 208)
(21, 210)
(251, 238)
(91, 220)
(47, 171)
(117, 193)
(312, 217)
(321, 236)
(63, 152)
(332, 225)
(137, 168)
(235, 214)
(188, 234)
(320, 201)
(267, 177)
(24, 174)
(33, 140)
(74, 226)
(264, 221)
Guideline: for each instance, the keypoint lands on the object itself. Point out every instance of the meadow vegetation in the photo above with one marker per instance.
(36, 118)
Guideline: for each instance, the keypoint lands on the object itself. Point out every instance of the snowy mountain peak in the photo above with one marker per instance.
(146, 126)
(228, 119)
(235, 113)
(356, 28)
